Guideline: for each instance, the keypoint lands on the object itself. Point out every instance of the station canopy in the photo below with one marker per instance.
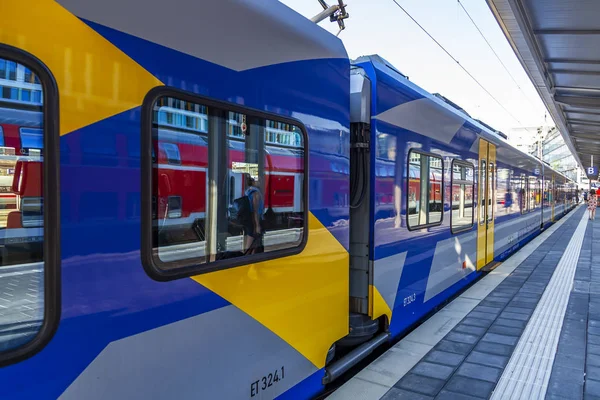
(558, 44)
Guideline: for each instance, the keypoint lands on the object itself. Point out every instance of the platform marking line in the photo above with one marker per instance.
(411, 349)
(528, 371)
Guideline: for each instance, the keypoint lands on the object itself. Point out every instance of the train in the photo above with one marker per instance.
(123, 147)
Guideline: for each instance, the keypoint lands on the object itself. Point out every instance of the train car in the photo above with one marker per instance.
(465, 198)
(96, 294)
(122, 271)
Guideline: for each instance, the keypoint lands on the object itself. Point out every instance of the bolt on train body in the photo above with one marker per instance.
(127, 129)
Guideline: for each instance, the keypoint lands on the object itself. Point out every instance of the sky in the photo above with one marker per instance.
(380, 27)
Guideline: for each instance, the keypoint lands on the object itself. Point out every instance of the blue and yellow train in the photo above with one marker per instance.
(127, 130)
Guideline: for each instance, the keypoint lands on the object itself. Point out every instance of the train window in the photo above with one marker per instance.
(522, 195)
(462, 196)
(228, 182)
(533, 190)
(425, 190)
(538, 193)
(482, 185)
(28, 227)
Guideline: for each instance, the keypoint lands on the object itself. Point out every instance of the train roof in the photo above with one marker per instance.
(252, 33)
(411, 100)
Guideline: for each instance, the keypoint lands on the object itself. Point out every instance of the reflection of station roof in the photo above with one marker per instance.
(558, 44)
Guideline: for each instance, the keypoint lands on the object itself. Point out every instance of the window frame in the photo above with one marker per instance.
(482, 181)
(442, 186)
(468, 165)
(51, 181)
(156, 270)
(491, 202)
(523, 186)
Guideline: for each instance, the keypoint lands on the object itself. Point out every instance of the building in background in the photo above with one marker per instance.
(522, 138)
(556, 153)
(547, 144)
(18, 85)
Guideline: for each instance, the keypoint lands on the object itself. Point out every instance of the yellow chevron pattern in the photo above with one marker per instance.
(303, 298)
(380, 306)
(95, 79)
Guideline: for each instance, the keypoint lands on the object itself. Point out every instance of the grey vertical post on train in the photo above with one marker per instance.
(360, 269)
(255, 148)
(424, 200)
(217, 181)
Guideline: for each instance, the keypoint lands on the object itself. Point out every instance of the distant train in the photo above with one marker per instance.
(123, 147)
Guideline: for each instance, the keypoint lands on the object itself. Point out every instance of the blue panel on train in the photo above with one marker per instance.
(297, 98)
(390, 93)
(465, 137)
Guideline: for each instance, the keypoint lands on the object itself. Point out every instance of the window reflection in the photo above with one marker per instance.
(21, 205)
(462, 196)
(425, 195)
(227, 184)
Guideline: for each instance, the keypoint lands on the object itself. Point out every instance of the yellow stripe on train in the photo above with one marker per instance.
(303, 298)
(109, 82)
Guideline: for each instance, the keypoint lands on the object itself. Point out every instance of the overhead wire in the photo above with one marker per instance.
(496, 54)
(460, 65)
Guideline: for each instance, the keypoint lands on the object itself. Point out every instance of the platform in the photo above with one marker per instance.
(530, 329)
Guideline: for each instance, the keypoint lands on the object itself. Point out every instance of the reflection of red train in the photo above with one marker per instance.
(27, 186)
(435, 189)
(182, 164)
(21, 143)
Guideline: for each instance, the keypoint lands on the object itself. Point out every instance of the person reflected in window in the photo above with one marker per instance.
(253, 233)
(508, 201)
(521, 200)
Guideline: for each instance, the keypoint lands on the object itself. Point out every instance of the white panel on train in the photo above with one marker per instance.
(447, 266)
(188, 26)
(425, 117)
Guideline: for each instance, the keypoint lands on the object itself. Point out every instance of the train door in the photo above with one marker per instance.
(487, 203)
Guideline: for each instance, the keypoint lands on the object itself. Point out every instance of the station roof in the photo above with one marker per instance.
(558, 44)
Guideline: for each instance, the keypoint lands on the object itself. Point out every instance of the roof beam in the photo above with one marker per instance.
(571, 61)
(572, 72)
(587, 135)
(593, 140)
(576, 127)
(576, 89)
(587, 122)
(578, 101)
(581, 112)
(588, 153)
(566, 31)
(584, 131)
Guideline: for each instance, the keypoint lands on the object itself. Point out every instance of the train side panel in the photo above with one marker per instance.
(417, 268)
(238, 326)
